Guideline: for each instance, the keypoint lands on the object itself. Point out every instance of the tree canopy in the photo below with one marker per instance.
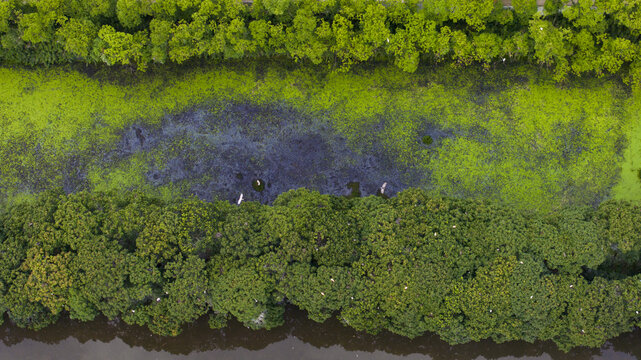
(585, 37)
(464, 269)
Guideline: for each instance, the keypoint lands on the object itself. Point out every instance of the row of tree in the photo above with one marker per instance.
(411, 264)
(590, 36)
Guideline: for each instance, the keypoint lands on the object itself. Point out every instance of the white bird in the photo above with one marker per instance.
(383, 188)
(541, 28)
(157, 299)
(240, 199)
(257, 182)
(322, 293)
(332, 280)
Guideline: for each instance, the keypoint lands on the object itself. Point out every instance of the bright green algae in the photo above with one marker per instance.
(511, 135)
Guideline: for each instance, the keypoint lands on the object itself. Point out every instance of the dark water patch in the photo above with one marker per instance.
(74, 173)
(218, 155)
(355, 189)
(134, 139)
(215, 153)
(299, 338)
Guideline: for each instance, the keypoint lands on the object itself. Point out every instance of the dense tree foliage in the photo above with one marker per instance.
(464, 269)
(582, 36)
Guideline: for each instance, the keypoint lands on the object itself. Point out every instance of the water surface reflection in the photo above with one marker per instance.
(299, 338)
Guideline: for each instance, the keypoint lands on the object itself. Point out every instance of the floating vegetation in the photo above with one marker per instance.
(258, 185)
(355, 189)
(207, 128)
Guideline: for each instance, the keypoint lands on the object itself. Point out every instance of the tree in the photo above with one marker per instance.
(99, 271)
(160, 33)
(37, 27)
(77, 36)
(130, 13)
(551, 46)
(305, 227)
(568, 242)
(242, 236)
(123, 48)
(524, 9)
(303, 38)
(247, 295)
(619, 225)
(320, 291)
(585, 57)
(418, 36)
(276, 7)
(6, 8)
(616, 52)
(583, 14)
(160, 238)
(49, 278)
(462, 48)
(487, 47)
(474, 12)
(183, 298)
(184, 40)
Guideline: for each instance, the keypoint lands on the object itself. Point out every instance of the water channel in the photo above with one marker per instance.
(299, 338)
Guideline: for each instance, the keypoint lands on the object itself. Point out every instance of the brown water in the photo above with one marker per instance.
(299, 338)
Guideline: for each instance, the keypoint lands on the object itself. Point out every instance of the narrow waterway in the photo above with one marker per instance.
(299, 338)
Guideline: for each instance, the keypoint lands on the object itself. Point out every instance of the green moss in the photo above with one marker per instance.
(629, 185)
(128, 175)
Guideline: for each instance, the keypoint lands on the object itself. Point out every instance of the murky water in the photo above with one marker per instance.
(299, 338)
(223, 154)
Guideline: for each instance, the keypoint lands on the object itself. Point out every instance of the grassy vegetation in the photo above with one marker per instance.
(509, 134)
(629, 186)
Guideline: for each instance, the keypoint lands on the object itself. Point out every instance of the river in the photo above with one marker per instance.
(299, 338)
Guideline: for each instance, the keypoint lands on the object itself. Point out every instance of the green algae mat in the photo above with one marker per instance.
(511, 135)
